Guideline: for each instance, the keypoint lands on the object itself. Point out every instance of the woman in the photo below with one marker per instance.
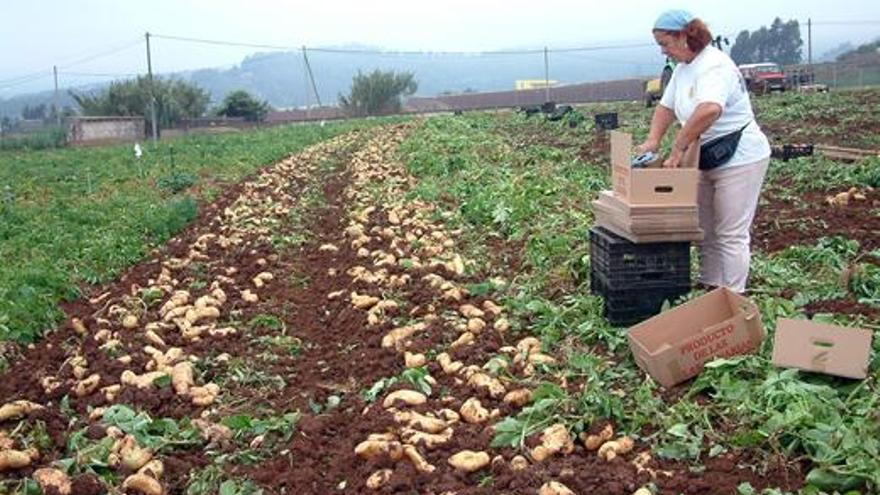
(707, 95)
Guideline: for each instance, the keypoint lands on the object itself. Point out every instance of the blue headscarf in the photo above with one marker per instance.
(673, 20)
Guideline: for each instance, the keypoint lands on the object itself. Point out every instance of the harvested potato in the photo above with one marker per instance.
(476, 325)
(555, 439)
(379, 478)
(420, 421)
(131, 455)
(518, 397)
(417, 460)
(528, 345)
(492, 308)
(130, 321)
(470, 311)
(473, 412)
(204, 395)
(449, 366)
(486, 382)
(182, 377)
(395, 338)
(87, 386)
(78, 326)
(16, 459)
(52, 480)
(412, 360)
(408, 397)
(554, 488)
(377, 448)
(363, 301)
(643, 491)
(501, 324)
(195, 315)
(518, 463)
(429, 440)
(466, 338)
(111, 391)
(469, 461)
(249, 297)
(610, 450)
(143, 484)
(17, 409)
(593, 442)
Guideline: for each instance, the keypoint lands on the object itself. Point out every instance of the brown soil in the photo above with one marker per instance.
(340, 356)
(781, 223)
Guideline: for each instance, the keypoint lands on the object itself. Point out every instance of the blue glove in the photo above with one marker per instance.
(644, 159)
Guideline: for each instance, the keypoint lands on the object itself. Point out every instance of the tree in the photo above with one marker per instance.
(240, 103)
(378, 93)
(36, 112)
(175, 100)
(781, 43)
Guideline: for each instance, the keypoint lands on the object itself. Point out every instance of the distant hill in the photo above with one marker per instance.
(869, 53)
(280, 77)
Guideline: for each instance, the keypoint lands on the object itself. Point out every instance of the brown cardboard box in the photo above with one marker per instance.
(652, 186)
(674, 345)
(647, 223)
(821, 347)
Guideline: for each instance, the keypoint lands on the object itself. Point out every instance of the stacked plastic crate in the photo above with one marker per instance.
(640, 246)
(636, 279)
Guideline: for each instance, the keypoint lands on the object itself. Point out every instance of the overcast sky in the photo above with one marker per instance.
(37, 34)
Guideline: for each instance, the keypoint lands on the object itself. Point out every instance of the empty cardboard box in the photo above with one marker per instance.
(652, 186)
(821, 347)
(674, 345)
(647, 223)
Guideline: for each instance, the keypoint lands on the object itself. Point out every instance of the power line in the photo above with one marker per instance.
(102, 54)
(26, 79)
(97, 74)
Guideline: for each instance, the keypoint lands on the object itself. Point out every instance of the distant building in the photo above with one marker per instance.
(522, 84)
(101, 130)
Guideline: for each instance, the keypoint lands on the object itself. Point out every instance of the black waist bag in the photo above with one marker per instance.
(720, 150)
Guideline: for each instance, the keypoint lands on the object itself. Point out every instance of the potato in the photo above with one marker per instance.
(476, 325)
(555, 439)
(396, 337)
(528, 345)
(486, 382)
(249, 297)
(52, 480)
(518, 463)
(554, 488)
(87, 386)
(466, 338)
(182, 377)
(538, 358)
(17, 409)
(15, 459)
(501, 324)
(593, 442)
(130, 321)
(205, 395)
(473, 412)
(408, 397)
(417, 460)
(449, 366)
(412, 360)
(363, 301)
(144, 381)
(610, 450)
(643, 491)
(469, 461)
(492, 308)
(78, 326)
(328, 248)
(420, 421)
(377, 448)
(144, 484)
(518, 397)
(470, 311)
(132, 456)
(429, 440)
(111, 391)
(379, 478)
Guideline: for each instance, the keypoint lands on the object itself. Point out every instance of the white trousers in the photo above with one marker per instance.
(727, 199)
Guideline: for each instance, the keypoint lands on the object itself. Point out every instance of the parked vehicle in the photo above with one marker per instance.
(763, 78)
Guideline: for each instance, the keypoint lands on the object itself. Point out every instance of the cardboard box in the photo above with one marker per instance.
(674, 345)
(652, 186)
(647, 223)
(821, 347)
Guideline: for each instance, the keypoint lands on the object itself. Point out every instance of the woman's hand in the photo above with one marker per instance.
(675, 157)
(649, 145)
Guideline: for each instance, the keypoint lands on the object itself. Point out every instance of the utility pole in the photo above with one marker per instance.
(546, 76)
(809, 41)
(152, 92)
(57, 108)
(311, 76)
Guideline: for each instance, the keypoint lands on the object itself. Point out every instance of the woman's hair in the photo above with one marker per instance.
(698, 35)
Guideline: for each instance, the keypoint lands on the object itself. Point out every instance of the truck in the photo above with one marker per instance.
(763, 78)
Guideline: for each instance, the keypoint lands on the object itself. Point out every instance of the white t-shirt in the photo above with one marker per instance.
(713, 77)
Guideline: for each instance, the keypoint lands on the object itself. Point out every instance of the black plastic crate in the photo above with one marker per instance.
(622, 264)
(625, 307)
(605, 121)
